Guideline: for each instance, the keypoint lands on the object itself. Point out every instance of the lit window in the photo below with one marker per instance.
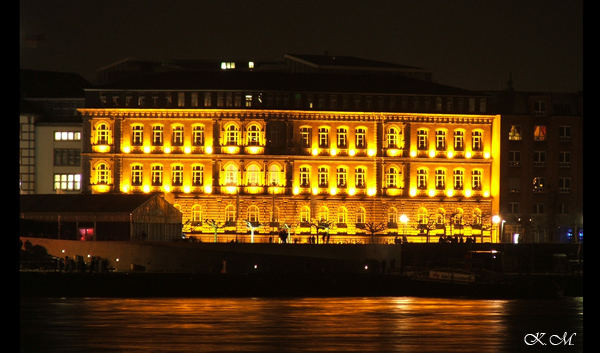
(198, 135)
(253, 175)
(102, 174)
(157, 135)
(232, 135)
(477, 138)
(196, 214)
(476, 179)
(323, 214)
(136, 175)
(440, 216)
(342, 215)
(157, 175)
(177, 175)
(248, 101)
(361, 138)
(539, 133)
(360, 215)
(458, 179)
(323, 174)
(341, 177)
(305, 136)
(392, 217)
(67, 182)
(197, 175)
(137, 135)
(230, 214)
(422, 216)
(231, 175)
(304, 177)
(514, 134)
(274, 175)
(459, 140)
(391, 177)
(102, 133)
(253, 135)
(440, 140)
(422, 143)
(392, 137)
(440, 179)
(538, 184)
(477, 219)
(323, 137)
(422, 178)
(251, 64)
(177, 138)
(359, 177)
(253, 214)
(342, 137)
(305, 214)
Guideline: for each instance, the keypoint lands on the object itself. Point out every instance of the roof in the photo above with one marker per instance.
(50, 84)
(283, 81)
(341, 61)
(82, 203)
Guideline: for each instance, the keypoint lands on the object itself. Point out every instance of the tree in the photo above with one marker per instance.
(373, 227)
(287, 229)
(252, 227)
(326, 226)
(426, 227)
(215, 226)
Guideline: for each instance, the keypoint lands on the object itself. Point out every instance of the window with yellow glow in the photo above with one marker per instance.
(157, 135)
(305, 214)
(304, 177)
(275, 175)
(196, 214)
(477, 137)
(361, 137)
(323, 214)
(422, 140)
(392, 217)
(342, 137)
(102, 174)
(229, 214)
(342, 215)
(177, 175)
(360, 177)
(177, 137)
(137, 135)
(422, 178)
(305, 136)
(341, 176)
(253, 214)
(197, 175)
(476, 179)
(136, 175)
(253, 175)
(253, 135)
(458, 179)
(231, 175)
(360, 215)
(198, 135)
(157, 175)
(459, 140)
(440, 139)
(422, 216)
(232, 134)
(102, 134)
(323, 177)
(440, 179)
(323, 137)
(392, 137)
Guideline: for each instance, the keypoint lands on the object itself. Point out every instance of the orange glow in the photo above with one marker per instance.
(166, 188)
(187, 150)
(333, 191)
(371, 152)
(167, 149)
(468, 154)
(431, 153)
(393, 152)
(231, 189)
(486, 155)
(413, 192)
(449, 192)
(413, 153)
(101, 148)
(231, 149)
(468, 193)
(450, 154)
(351, 153)
(146, 188)
(125, 188)
(126, 149)
(208, 189)
(333, 151)
(351, 191)
(101, 188)
(146, 149)
(296, 190)
(209, 149)
(486, 193)
(315, 191)
(431, 192)
(254, 149)
(372, 191)
(315, 152)
(187, 189)
(394, 191)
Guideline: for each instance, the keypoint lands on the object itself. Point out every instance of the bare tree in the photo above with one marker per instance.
(215, 226)
(373, 228)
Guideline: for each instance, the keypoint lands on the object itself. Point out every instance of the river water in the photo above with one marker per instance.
(374, 324)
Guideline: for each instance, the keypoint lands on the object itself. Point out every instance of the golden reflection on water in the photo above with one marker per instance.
(388, 324)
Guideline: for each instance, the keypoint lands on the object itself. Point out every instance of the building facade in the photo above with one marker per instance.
(327, 163)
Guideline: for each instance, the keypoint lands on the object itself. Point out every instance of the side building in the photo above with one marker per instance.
(318, 155)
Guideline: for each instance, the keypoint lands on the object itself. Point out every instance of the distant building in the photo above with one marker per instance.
(335, 148)
(541, 197)
(99, 217)
(50, 132)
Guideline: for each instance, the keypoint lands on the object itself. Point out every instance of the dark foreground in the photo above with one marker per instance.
(60, 284)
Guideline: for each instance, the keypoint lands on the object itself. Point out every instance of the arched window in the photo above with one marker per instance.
(102, 134)
(231, 175)
(232, 135)
(391, 177)
(392, 137)
(361, 215)
(253, 175)
(440, 216)
(230, 214)
(157, 174)
(342, 215)
(422, 216)
(392, 217)
(323, 214)
(305, 214)
(196, 214)
(275, 176)
(102, 174)
(136, 174)
(253, 214)
(457, 218)
(477, 219)
(253, 135)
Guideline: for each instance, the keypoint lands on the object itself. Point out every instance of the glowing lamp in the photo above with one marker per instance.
(296, 190)
(333, 151)
(126, 149)
(351, 191)
(146, 188)
(431, 153)
(315, 191)
(431, 192)
(207, 189)
(371, 152)
(352, 153)
(167, 149)
(167, 188)
(486, 193)
(232, 149)
(468, 154)
(125, 188)
(187, 150)
(496, 219)
(450, 154)
(403, 218)
(393, 152)
(253, 149)
(146, 149)
(101, 148)
(413, 192)
(187, 189)
(332, 191)
(208, 149)
(449, 192)
(315, 151)
(231, 189)
(468, 193)
(372, 191)
(486, 155)
(413, 153)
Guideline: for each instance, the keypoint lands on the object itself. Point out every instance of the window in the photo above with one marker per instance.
(275, 175)
(136, 175)
(157, 175)
(323, 174)
(477, 219)
(177, 175)
(440, 140)
(305, 136)
(564, 133)
(341, 176)
(196, 214)
(304, 177)
(198, 135)
(360, 215)
(514, 134)
(253, 214)
(207, 99)
(459, 140)
(477, 138)
(422, 216)
(514, 158)
(253, 175)
(440, 179)
(177, 138)
(102, 174)
(231, 135)
(539, 158)
(157, 135)
(476, 179)
(305, 214)
(137, 135)
(564, 184)
(230, 215)
(227, 65)
(361, 138)
(440, 216)
(102, 132)
(539, 108)
(392, 217)
(539, 133)
(194, 99)
(391, 177)
(458, 179)
(323, 137)
(197, 175)
(422, 143)
(323, 214)
(514, 184)
(538, 184)
(359, 177)
(253, 135)
(538, 208)
(248, 101)
(342, 215)
(392, 137)
(422, 178)
(67, 136)
(67, 182)
(180, 99)
(64, 157)
(564, 159)
(342, 137)
(514, 207)
(231, 175)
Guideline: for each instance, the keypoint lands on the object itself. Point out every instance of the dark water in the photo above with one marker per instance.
(381, 324)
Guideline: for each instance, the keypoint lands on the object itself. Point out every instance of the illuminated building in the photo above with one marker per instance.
(289, 148)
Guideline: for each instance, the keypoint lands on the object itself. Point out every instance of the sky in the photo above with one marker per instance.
(471, 44)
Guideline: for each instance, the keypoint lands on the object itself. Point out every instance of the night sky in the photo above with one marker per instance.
(469, 44)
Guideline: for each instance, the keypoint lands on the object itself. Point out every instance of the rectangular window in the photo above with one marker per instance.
(137, 135)
(248, 101)
(323, 177)
(304, 177)
(323, 137)
(136, 175)
(440, 140)
(157, 135)
(514, 134)
(361, 138)
(459, 140)
(67, 136)
(305, 136)
(180, 99)
(564, 159)
(514, 158)
(197, 175)
(207, 99)
(177, 137)
(342, 137)
(564, 184)
(538, 184)
(564, 133)
(440, 179)
(67, 157)
(198, 135)
(341, 177)
(539, 158)
(359, 175)
(422, 143)
(539, 133)
(477, 137)
(67, 182)
(194, 99)
(177, 176)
